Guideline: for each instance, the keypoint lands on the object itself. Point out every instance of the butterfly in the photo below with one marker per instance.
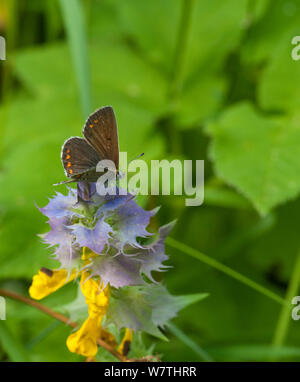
(80, 156)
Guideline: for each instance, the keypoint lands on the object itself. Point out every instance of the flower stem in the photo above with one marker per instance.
(225, 269)
(60, 317)
(285, 314)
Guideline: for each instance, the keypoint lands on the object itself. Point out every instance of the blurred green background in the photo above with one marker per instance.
(188, 79)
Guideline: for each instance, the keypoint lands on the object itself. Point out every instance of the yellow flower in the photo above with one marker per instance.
(84, 340)
(96, 299)
(124, 346)
(48, 281)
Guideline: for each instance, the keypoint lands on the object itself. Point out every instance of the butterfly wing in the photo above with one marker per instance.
(78, 156)
(101, 133)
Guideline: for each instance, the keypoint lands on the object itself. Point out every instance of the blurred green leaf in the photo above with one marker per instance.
(260, 46)
(275, 252)
(205, 56)
(279, 86)
(255, 353)
(189, 342)
(257, 155)
(11, 345)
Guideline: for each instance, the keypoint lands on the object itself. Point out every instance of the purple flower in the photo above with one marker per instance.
(60, 205)
(109, 225)
(118, 270)
(95, 238)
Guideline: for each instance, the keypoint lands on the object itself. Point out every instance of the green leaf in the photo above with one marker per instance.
(77, 310)
(279, 88)
(259, 47)
(147, 307)
(257, 155)
(189, 342)
(205, 56)
(275, 252)
(158, 43)
(11, 345)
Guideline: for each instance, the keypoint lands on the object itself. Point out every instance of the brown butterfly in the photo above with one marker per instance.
(80, 156)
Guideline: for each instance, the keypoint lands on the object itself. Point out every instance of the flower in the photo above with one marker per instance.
(96, 300)
(84, 340)
(111, 226)
(126, 341)
(48, 281)
(104, 242)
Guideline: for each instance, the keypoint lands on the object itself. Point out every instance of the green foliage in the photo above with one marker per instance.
(237, 109)
(11, 346)
(257, 155)
(146, 308)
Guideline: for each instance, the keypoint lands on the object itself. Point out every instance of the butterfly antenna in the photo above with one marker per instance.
(64, 182)
(136, 157)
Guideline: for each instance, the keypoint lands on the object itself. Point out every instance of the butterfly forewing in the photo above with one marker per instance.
(101, 133)
(78, 156)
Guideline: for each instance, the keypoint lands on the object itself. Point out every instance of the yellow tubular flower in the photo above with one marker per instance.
(48, 281)
(124, 346)
(96, 299)
(84, 340)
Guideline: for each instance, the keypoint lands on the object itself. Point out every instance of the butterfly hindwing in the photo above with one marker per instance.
(78, 156)
(101, 133)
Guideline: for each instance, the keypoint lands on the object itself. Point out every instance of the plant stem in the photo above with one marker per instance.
(285, 314)
(177, 74)
(60, 317)
(181, 50)
(189, 342)
(72, 12)
(225, 269)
